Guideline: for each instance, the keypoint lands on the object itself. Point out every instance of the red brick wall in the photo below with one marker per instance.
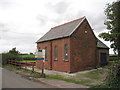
(60, 65)
(83, 48)
(47, 62)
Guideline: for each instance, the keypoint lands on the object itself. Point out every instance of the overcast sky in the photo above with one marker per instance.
(23, 22)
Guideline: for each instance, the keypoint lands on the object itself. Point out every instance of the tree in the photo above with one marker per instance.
(11, 55)
(112, 12)
(14, 51)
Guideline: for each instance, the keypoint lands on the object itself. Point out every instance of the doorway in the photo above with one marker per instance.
(103, 59)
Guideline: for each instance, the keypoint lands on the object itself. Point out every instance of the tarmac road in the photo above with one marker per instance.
(12, 80)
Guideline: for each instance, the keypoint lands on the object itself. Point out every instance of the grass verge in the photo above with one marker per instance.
(59, 77)
(15, 68)
(93, 78)
(38, 75)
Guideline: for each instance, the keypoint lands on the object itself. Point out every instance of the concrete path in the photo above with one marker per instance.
(52, 72)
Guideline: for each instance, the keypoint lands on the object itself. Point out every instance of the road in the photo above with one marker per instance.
(12, 80)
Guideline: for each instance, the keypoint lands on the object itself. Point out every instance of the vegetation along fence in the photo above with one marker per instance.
(23, 65)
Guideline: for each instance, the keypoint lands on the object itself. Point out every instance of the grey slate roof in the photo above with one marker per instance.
(61, 31)
(100, 44)
(66, 30)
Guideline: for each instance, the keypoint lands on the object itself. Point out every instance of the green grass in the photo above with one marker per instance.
(28, 60)
(26, 56)
(93, 78)
(59, 77)
(95, 74)
(11, 67)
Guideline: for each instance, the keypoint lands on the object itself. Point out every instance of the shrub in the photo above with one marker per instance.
(113, 79)
(113, 58)
(13, 54)
(8, 56)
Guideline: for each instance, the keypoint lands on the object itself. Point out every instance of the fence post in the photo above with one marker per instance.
(43, 66)
(15, 63)
(9, 62)
(32, 67)
(26, 65)
(20, 64)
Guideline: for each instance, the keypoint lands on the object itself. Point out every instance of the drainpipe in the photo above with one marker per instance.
(50, 55)
(96, 57)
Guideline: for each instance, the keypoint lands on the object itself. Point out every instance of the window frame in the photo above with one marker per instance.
(46, 53)
(56, 53)
(65, 52)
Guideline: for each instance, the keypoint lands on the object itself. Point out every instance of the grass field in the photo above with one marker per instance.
(28, 60)
(27, 56)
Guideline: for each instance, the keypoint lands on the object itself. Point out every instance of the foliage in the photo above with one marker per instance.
(8, 56)
(14, 51)
(113, 25)
(114, 57)
(31, 53)
(11, 55)
(113, 78)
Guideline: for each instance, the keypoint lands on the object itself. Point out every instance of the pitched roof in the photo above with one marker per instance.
(66, 30)
(61, 31)
(100, 44)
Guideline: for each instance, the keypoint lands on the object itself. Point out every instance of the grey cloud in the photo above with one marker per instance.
(97, 21)
(76, 15)
(3, 27)
(68, 17)
(42, 19)
(23, 41)
(17, 38)
(59, 8)
(99, 26)
(5, 3)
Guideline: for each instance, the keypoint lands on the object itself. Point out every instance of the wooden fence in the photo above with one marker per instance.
(23, 65)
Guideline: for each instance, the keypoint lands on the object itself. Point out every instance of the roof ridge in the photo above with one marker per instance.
(69, 22)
